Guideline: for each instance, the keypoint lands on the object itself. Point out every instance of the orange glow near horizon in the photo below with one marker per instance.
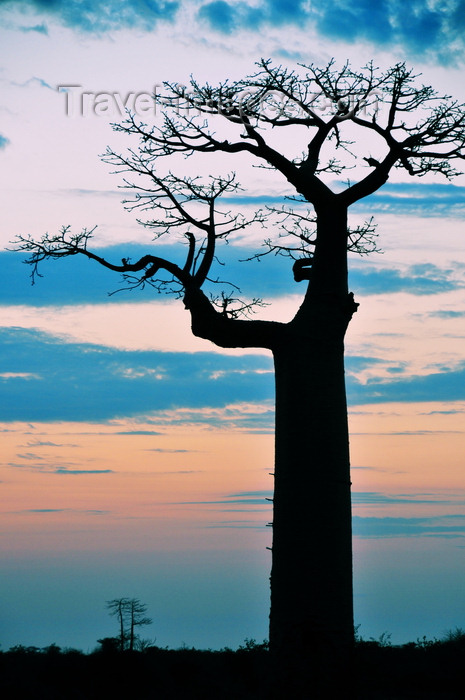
(90, 487)
(170, 490)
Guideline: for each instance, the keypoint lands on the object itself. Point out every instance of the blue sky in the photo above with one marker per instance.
(108, 395)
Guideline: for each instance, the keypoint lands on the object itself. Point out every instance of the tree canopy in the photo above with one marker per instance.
(362, 122)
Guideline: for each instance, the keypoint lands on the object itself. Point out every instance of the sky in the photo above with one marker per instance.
(136, 458)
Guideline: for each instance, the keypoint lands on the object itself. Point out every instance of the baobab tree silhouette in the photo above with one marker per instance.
(371, 119)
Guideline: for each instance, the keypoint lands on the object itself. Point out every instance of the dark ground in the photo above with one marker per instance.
(422, 670)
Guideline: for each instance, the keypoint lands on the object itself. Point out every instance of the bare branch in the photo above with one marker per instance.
(65, 244)
(297, 238)
(232, 307)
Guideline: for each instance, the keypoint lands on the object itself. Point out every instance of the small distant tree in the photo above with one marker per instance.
(116, 608)
(137, 618)
(130, 613)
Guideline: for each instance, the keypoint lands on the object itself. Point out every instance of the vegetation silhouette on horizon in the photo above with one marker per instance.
(307, 126)
(430, 667)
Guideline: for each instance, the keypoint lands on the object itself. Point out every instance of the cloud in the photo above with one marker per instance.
(65, 470)
(46, 443)
(179, 471)
(76, 280)
(36, 81)
(373, 498)
(18, 375)
(44, 510)
(243, 498)
(424, 29)
(84, 382)
(138, 432)
(251, 494)
(446, 314)
(165, 450)
(64, 510)
(29, 456)
(220, 15)
(237, 501)
(420, 25)
(450, 412)
(443, 526)
(420, 279)
(416, 199)
(96, 17)
(413, 432)
(437, 386)
(257, 418)
(443, 383)
(141, 372)
(236, 524)
(87, 382)
(32, 462)
(225, 16)
(427, 30)
(39, 28)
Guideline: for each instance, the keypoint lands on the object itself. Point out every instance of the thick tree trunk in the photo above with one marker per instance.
(311, 617)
